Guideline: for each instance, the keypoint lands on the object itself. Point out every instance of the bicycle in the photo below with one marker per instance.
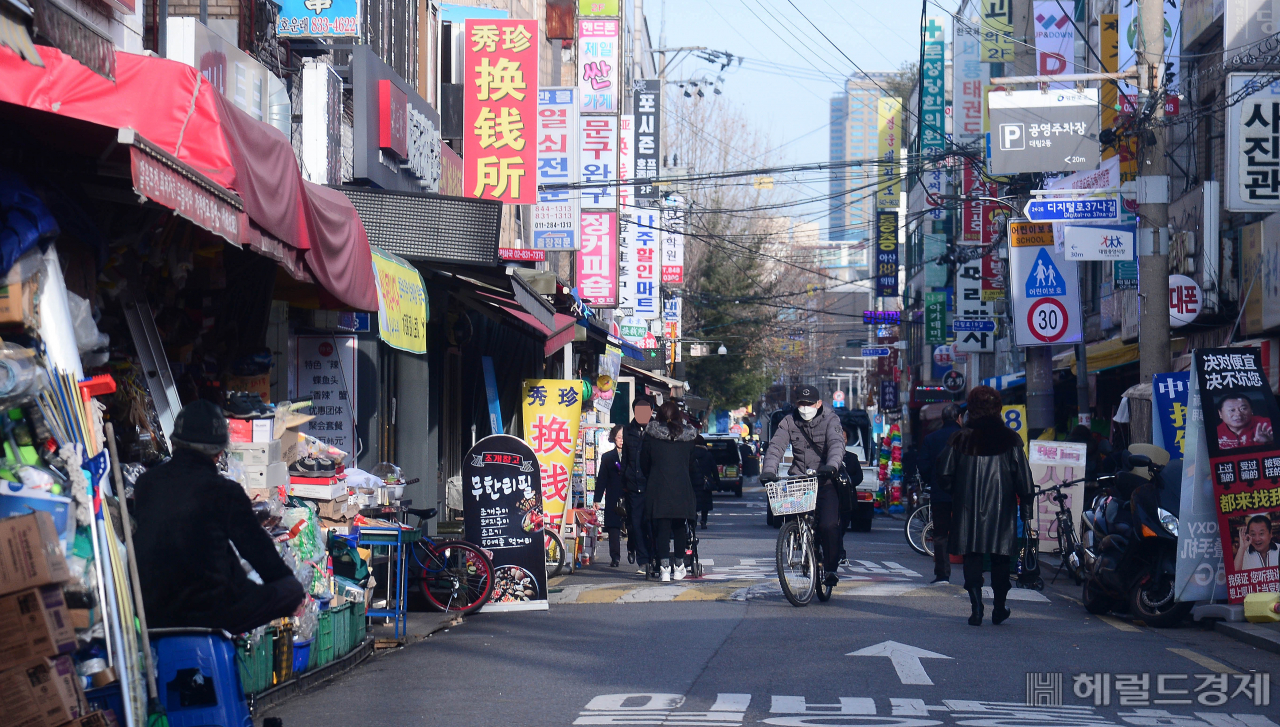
(554, 547)
(919, 527)
(453, 575)
(798, 556)
(1069, 546)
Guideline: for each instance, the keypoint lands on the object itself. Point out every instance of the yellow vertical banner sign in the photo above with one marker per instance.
(402, 303)
(997, 31)
(889, 130)
(552, 411)
(1015, 417)
(1109, 30)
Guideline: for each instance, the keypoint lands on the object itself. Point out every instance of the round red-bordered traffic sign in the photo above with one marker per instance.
(1047, 319)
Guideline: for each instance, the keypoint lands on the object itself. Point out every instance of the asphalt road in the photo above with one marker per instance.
(730, 650)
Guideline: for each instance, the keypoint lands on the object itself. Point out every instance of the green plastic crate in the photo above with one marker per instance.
(359, 625)
(341, 629)
(254, 661)
(322, 641)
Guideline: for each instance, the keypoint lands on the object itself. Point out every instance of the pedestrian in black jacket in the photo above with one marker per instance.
(667, 461)
(609, 493)
(639, 534)
(705, 485)
(931, 449)
(852, 470)
(986, 473)
(189, 517)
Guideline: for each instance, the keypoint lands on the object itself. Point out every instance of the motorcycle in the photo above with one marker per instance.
(1130, 547)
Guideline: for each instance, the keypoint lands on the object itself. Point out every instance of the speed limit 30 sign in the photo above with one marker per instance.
(1045, 287)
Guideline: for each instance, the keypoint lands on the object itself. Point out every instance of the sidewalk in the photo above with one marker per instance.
(1262, 636)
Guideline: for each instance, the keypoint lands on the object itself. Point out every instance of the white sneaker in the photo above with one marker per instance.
(680, 573)
(666, 573)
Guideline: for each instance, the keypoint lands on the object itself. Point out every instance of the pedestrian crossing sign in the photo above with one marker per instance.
(1045, 279)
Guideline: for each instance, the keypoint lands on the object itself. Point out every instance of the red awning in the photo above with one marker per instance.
(555, 339)
(173, 107)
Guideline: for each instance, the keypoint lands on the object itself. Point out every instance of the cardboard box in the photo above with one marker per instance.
(266, 477)
(34, 624)
(255, 454)
(339, 508)
(260, 385)
(342, 526)
(29, 553)
(260, 494)
(332, 491)
(263, 430)
(240, 430)
(41, 693)
(17, 299)
(81, 618)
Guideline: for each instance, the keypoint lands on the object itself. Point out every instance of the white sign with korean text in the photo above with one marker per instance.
(597, 261)
(555, 216)
(598, 65)
(598, 161)
(646, 262)
(626, 160)
(1056, 463)
(1253, 154)
(673, 219)
(969, 75)
(326, 374)
(1098, 242)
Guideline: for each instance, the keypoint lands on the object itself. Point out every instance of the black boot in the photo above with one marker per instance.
(998, 610)
(975, 606)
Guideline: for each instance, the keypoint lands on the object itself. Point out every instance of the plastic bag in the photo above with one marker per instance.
(91, 342)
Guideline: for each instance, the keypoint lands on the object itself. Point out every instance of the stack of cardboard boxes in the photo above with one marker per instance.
(256, 446)
(39, 686)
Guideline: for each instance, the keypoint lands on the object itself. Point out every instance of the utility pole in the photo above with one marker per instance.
(1153, 201)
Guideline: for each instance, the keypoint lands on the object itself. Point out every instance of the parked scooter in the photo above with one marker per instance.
(1131, 544)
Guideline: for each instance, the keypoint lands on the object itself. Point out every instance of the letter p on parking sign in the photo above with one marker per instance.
(1012, 137)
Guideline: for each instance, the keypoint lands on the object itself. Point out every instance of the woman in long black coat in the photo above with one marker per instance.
(985, 470)
(609, 492)
(666, 458)
(709, 477)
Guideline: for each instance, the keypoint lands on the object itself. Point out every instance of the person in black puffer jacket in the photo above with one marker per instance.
(666, 458)
(710, 477)
(610, 495)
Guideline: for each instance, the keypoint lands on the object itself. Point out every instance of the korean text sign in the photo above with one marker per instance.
(643, 249)
(598, 61)
(555, 216)
(402, 303)
(502, 513)
(888, 141)
(1252, 155)
(1169, 394)
(326, 374)
(673, 219)
(1240, 419)
(1055, 463)
(500, 110)
(997, 31)
(886, 254)
(552, 411)
(319, 18)
(969, 75)
(597, 261)
(647, 101)
(932, 88)
(598, 161)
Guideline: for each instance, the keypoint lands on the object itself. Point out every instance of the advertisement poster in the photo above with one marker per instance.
(646, 266)
(598, 64)
(1055, 39)
(555, 216)
(673, 219)
(326, 374)
(502, 513)
(647, 102)
(1169, 393)
(1056, 463)
(596, 273)
(402, 303)
(500, 106)
(598, 161)
(1240, 420)
(1199, 574)
(552, 411)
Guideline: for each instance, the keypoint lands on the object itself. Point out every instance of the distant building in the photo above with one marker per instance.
(853, 136)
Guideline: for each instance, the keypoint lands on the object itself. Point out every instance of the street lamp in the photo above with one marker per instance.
(722, 350)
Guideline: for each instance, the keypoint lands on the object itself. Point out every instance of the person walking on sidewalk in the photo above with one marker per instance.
(817, 443)
(633, 483)
(985, 472)
(851, 474)
(610, 495)
(669, 468)
(931, 449)
(708, 477)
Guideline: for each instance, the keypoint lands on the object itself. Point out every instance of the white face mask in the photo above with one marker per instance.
(808, 412)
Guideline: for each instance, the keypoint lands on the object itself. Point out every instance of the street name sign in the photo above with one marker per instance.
(1104, 208)
(875, 352)
(1045, 288)
(1033, 131)
(962, 324)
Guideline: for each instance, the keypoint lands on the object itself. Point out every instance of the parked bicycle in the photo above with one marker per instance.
(453, 575)
(919, 527)
(1070, 550)
(798, 555)
(554, 547)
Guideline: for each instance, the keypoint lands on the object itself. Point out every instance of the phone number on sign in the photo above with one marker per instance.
(349, 25)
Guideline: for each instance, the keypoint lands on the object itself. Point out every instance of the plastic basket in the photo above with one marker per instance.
(341, 626)
(792, 496)
(321, 641)
(254, 659)
(359, 625)
(301, 656)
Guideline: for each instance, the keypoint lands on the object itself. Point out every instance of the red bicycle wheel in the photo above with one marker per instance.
(458, 577)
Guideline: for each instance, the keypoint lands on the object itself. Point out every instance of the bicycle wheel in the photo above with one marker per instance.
(915, 530)
(457, 577)
(927, 538)
(797, 569)
(555, 553)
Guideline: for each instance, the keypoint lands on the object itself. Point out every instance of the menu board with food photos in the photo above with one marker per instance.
(502, 513)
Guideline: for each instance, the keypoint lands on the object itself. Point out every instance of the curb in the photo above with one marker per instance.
(264, 701)
(1252, 634)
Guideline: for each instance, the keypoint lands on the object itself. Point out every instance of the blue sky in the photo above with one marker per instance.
(780, 85)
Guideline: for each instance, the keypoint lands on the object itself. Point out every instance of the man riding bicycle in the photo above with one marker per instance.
(817, 443)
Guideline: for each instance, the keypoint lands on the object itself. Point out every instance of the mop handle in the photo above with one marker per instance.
(110, 433)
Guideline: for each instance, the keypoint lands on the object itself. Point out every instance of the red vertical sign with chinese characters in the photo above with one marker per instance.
(499, 116)
(597, 260)
(979, 225)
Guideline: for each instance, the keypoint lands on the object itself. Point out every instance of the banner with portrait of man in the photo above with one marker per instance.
(1240, 423)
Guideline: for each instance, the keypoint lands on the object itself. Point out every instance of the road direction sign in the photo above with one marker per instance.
(953, 381)
(905, 659)
(1046, 296)
(1032, 131)
(962, 324)
(1102, 208)
(875, 352)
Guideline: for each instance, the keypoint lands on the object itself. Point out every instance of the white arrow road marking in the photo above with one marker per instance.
(905, 659)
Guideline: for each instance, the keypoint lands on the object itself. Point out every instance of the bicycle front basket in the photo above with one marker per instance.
(793, 495)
